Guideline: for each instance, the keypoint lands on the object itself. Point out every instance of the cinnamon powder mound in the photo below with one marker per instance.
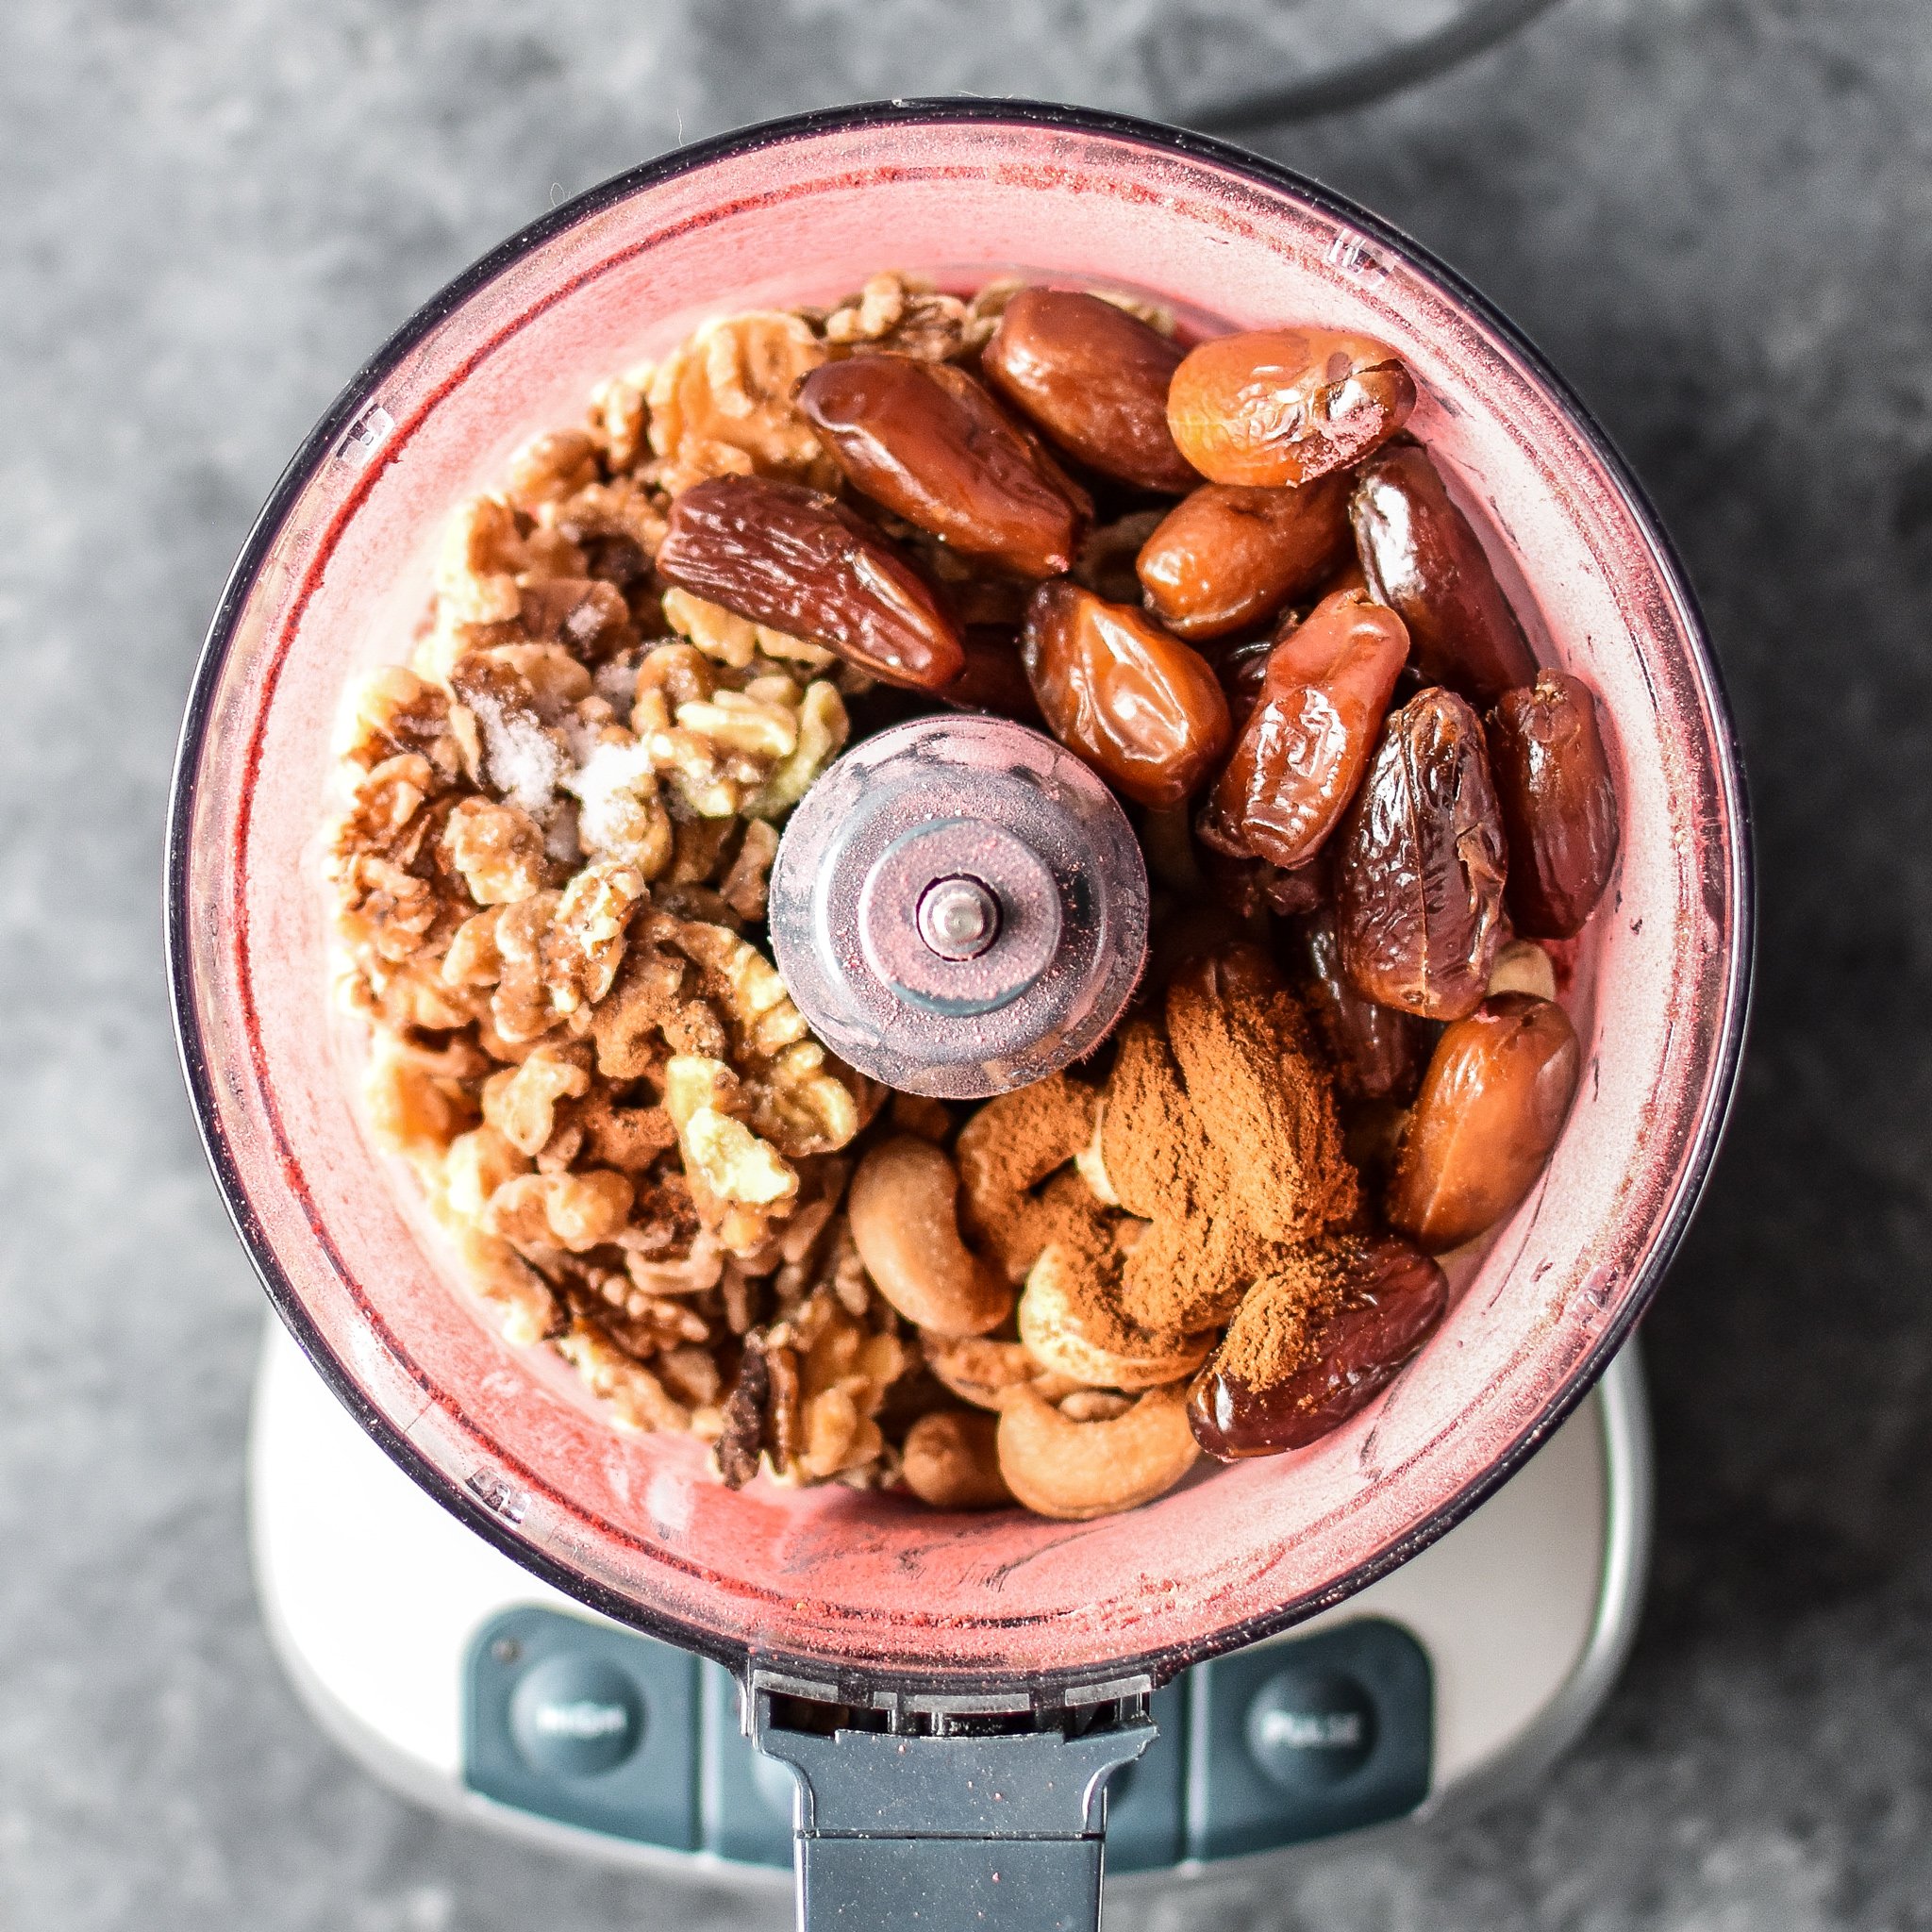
(1218, 1134)
(1221, 1129)
(1067, 1216)
(1005, 1151)
(1187, 1275)
(1274, 1332)
(1155, 1151)
(1093, 1243)
(1247, 1059)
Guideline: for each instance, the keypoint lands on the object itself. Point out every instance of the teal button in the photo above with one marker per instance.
(576, 1717)
(1310, 1729)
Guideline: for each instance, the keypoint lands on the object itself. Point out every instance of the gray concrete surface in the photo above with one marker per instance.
(1716, 215)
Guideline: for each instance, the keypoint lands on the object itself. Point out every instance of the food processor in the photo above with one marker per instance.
(950, 1694)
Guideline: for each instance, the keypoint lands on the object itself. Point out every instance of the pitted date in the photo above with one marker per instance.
(1423, 559)
(1094, 379)
(928, 443)
(1226, 558)
(789, 557)
(1420, 864)
(1493, 1104)
(1141, 706)
(1283, 405)
(1391, 1299)
(1375, 1048)
(1559, 808)
(1305, 745)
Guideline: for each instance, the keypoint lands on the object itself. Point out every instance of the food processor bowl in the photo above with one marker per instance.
(872, 1599)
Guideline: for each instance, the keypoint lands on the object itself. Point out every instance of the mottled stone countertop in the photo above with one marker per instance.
(1714, 215)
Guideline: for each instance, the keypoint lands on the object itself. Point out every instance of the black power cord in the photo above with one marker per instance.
(1372, 78)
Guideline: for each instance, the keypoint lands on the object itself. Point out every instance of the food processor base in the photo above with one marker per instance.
(471, 1687)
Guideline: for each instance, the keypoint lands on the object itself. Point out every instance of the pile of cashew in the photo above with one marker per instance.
(1057, 1422)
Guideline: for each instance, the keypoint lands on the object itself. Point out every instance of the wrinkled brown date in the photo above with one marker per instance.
(789, 557)
(1423, 559)
(925, 440)
(1305, 745)
(1559, 808)
(1095, 379)
(1493, 1100)
(1227, 556)
(1375, 1048)
(1421, 862)
(1392, 1301)
(1283, 405)
(1141, 706)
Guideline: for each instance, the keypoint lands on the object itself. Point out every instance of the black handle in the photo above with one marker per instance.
(949, 1828)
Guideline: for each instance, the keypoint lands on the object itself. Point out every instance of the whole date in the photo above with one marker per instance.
(1305, 743)
(928, 443)
(788, 557)
(1342, 1349)
(1141, 706)
(1421, 862)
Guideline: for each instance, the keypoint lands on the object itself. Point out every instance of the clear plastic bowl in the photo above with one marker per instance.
(876, 1587)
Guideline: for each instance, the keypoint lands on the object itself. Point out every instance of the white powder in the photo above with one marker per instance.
(610, 787)
(525, 762)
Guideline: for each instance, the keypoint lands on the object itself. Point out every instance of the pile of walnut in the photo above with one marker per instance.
(549, 883)
(558, 827)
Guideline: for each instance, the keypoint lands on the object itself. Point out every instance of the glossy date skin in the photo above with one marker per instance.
(1491, 1106)
(1559, 803)
(1376, 1053)
(1095, 379)
(1226, 557)
(1141, 706)
(1279, 407)
(792, 559)
(1305, 745)
(928, 443)
(1392, 1302)
(1421, 862)
(1424, 560)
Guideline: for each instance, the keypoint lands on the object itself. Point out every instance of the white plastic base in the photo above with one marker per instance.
(372, 1593)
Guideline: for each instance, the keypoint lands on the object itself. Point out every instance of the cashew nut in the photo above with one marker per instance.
(905, 1222)
(952, 1461)
(1091, 1162)
(1093, 1405)
(1050, 1327)
(1522, 966)
(1071, 1469)
(987, 1373)
(1006, 1150)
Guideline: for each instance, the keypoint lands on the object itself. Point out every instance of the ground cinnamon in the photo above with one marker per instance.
(1274, 1332)
(1217, 1134)
(1266, 1101)
(1005, 1152)
(1156, 1155)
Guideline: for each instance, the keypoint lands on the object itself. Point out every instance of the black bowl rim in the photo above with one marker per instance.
(865, 1684)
